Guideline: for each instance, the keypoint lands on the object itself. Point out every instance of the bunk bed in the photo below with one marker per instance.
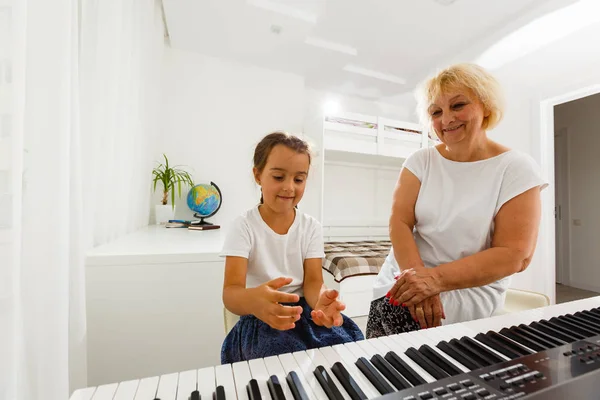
(367, 152)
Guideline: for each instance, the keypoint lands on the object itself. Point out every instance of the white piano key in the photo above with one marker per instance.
(274, 367)
(187, 384)
(206, 382)
(167, 387)
(241, 377)
(306, 366)
(289, 364)
(83, 394)
(318, 359)
(147, 388)
(394, 342)
(105, 392)
(224, 377)
(333, 355)
(260, 373)
(127, 390)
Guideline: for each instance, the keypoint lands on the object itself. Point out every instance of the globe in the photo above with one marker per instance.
(204, 200)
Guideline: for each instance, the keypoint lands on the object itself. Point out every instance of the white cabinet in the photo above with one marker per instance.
(154, 304)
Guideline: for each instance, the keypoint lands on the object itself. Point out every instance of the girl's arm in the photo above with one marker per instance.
(262, 301)
(324, 302)
(313, 281)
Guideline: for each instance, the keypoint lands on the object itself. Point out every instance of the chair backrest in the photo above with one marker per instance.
(518, 300)
(229, 319)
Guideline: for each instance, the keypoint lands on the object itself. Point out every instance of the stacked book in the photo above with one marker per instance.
(195, 225)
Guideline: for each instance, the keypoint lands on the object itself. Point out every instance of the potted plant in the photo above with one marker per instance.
(172, 179)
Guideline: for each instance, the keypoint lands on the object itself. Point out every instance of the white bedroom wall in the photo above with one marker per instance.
(582, 120)
(215, 112)
(564, 66)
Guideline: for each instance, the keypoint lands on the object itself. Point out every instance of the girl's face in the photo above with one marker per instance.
(457, 116)
(283, 179)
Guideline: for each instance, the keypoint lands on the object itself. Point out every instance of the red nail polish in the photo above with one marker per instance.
(403, 305)
(388, 294)
(396, 303)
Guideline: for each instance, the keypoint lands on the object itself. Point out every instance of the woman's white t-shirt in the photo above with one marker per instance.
(455, 212)
(271, 255)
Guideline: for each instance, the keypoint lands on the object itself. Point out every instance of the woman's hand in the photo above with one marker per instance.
(414, 286)
(428, 313)
(266, 299)
(327, 311)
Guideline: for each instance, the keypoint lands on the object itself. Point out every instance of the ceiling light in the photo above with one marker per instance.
(540, 32)
(283, 9)
(331, 107)
(324, 44)
(374, 74)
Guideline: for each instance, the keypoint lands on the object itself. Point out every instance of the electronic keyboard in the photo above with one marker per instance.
(546, 353)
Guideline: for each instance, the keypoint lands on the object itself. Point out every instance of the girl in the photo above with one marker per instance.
(273, 275)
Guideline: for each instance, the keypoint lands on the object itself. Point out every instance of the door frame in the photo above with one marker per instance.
(562, 208)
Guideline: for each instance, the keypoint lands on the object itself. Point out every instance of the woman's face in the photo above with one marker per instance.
(457, 116)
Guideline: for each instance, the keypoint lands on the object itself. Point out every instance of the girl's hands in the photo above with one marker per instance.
(327, 311)
(267, 299)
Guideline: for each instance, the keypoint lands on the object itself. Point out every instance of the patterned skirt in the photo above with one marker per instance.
(252, 338)
(385, 319)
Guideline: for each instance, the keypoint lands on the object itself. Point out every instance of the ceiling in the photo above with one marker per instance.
(401, 41)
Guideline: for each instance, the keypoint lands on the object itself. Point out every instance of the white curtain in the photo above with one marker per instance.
(79, 85)
(122, 45)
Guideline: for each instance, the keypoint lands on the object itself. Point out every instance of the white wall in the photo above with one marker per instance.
(215, 112)
(567, 65)
(582, 120)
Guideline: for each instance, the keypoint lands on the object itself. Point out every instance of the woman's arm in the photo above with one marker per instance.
(513, 244)
(402, 221)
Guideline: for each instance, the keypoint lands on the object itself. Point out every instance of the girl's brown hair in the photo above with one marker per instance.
(264, 147)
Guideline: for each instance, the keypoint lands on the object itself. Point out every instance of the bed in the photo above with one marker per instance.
(351, 267)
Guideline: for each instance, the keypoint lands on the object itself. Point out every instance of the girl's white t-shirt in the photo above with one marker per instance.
(271, 255)
(455, 212)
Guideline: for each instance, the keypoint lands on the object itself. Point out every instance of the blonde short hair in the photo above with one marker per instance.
(463, 76)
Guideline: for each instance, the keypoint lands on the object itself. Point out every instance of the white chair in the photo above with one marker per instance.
(519, 300)
(229, 319)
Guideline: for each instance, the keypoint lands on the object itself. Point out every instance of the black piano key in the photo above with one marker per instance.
(219, 393)
(404, 369)
(275, 388)
(534, 336)
(499, 347)
(525, 341)
(373, 376)
(569, 325)
(390, 372)
(595, 311)
(253, 390)
(439, 360)
(477, 347)
(459, 355)
(552, 332)
(510, 344)
(329, 387)
(563, 329)
(480, 358)
(584, 323)
(426, 363)
(195, 395)
(555, 341)
(296, 386)
(348, 382)
(590, 316)
(556, 331)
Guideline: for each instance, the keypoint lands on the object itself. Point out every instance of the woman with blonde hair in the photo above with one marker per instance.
(465, 213)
